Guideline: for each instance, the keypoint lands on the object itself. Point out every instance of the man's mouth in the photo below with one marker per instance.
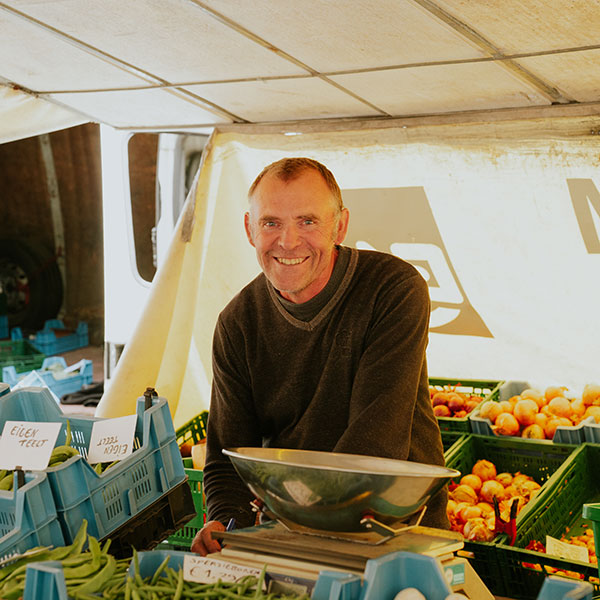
(289, 261)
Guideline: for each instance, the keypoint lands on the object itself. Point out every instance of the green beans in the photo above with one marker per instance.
(160, 569)
(98, 581)
(85, 572)
(170, 584)
(94, 574)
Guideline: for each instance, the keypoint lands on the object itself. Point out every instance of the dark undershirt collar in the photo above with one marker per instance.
(306, 311)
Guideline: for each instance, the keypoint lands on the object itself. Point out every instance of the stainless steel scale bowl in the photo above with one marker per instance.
(335, 492)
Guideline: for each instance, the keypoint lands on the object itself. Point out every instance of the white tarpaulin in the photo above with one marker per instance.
(503, 224)
(23, 115)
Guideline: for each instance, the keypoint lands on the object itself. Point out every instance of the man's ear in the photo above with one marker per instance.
(342, 226)
(248, 228)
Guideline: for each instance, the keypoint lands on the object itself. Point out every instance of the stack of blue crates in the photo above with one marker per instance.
(57, 381)
(111, 499)
(54, 338)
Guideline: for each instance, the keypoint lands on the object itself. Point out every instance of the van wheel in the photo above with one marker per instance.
(31, 283)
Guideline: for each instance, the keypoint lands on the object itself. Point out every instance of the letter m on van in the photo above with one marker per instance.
(586, 201)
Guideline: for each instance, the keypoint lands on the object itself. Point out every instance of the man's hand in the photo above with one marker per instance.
(203, 543)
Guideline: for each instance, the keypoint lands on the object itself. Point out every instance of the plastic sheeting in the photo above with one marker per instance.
(503, 225)
(23, 115)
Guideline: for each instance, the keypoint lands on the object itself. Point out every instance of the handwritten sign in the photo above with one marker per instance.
(27, 444)
(208, 570)
(565, 550)
(112, 439)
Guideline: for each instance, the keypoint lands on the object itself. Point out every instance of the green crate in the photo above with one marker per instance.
(183, 538)
(486, 389)
(450, 439)
(576, 483)
(23, 355)
(538, 460)
(193, 431)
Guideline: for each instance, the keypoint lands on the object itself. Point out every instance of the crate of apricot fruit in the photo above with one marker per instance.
(453, 400)
(559, 535)
(511, 473)
(552, 413)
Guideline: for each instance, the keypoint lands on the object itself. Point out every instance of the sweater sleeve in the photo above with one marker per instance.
(231, 423)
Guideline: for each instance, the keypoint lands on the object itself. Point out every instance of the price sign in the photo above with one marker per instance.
(208, 570)
(112, 439)
(565, 550)
(27, 444)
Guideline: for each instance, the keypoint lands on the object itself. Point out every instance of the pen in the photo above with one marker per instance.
(230, 525)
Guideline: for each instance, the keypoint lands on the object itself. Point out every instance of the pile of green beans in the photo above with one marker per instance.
(86, 572)
(94, 573)
(166, 582)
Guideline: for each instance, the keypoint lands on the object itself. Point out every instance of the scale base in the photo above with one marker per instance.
(375, 532)
(337, 552)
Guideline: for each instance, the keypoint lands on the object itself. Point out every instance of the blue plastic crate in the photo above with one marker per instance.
(54, 338)
(28, 517)
(3, 326)
(384, 577)
(563, 435)
(60, 383)
(559, 588)
(45, 580)
(120, 493)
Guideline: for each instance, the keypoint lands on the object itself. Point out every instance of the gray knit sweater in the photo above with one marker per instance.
(352, 379)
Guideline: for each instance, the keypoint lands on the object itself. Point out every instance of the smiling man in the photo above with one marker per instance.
(295, 222)
(324, 350)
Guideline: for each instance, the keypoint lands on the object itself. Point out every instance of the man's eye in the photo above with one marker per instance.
(269, 224)
(308, 222)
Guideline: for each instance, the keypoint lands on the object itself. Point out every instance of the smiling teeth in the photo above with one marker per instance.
(290, 261)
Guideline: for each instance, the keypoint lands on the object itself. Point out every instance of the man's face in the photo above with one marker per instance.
(294, 226)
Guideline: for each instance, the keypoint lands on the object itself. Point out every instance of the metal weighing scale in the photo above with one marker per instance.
(336, 511)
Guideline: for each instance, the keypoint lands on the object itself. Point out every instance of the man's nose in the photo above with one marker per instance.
(289, 237)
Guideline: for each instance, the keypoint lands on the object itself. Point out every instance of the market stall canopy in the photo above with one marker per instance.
(194, 64)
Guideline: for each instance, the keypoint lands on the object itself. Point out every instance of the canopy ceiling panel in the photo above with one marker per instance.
(38, 59)
(433, 89)
(577, 74)
(357, 36)
(519, 26)
(275, 100)
(21, 113)
(172, 39)
(137, 108)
